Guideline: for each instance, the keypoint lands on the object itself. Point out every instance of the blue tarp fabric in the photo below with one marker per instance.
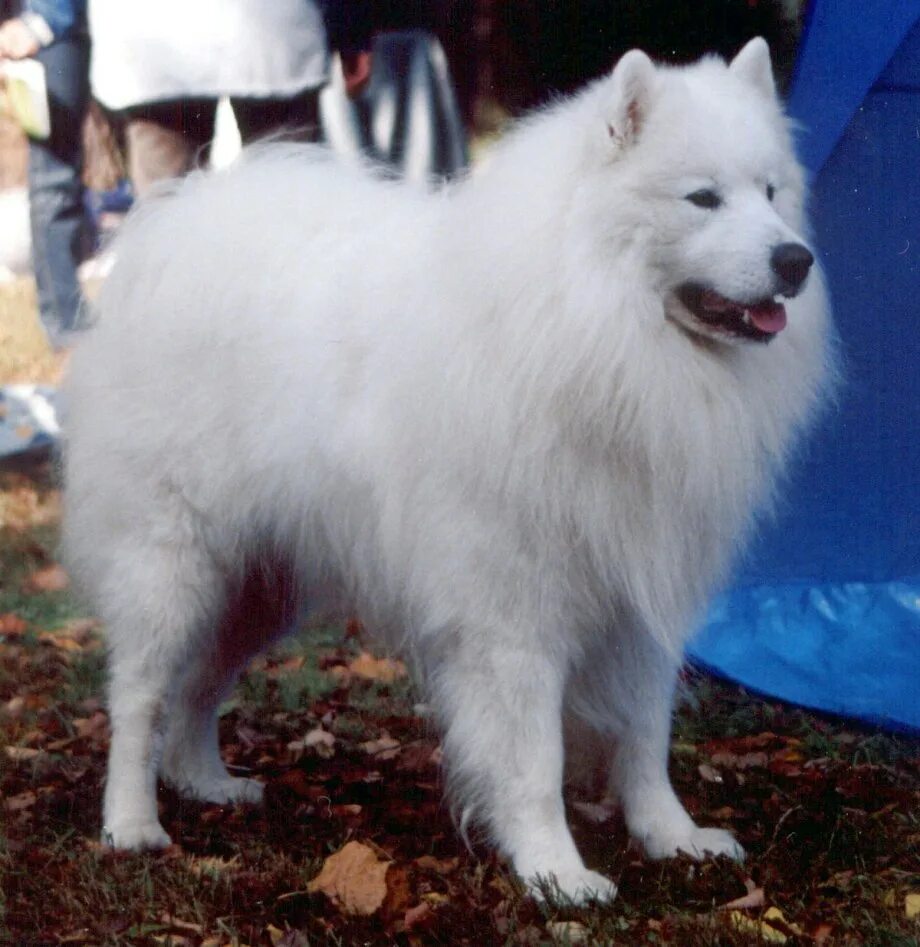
(826, 611)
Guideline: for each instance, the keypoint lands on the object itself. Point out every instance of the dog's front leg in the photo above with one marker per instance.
(643, 678)
(503, 742)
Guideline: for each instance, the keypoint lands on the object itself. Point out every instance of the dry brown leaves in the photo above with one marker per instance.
(354, 879)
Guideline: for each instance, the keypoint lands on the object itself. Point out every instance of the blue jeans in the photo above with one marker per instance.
(59, 226)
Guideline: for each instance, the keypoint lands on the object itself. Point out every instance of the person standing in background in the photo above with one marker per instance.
(160, 68)
(54, 33)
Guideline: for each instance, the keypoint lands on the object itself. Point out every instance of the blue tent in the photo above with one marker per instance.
(826, 611)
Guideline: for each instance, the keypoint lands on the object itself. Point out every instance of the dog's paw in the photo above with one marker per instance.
(135, 835)
(698, 843)
(224, 790)
(576, 886)
(232, 790)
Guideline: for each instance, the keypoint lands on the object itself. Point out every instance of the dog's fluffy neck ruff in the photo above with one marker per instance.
(701, 426)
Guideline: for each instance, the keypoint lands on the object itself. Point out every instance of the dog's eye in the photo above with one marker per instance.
(771, 192)
(705, 198)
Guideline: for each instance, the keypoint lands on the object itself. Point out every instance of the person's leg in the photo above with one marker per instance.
(60, 238)
(166, 140)
(295, 119)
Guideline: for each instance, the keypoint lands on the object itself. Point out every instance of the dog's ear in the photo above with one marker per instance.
(629, 96)
(753, 66)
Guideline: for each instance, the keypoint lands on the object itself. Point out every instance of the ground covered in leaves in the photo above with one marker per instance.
(355, 844)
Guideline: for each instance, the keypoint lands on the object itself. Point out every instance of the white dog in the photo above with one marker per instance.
(526, 423)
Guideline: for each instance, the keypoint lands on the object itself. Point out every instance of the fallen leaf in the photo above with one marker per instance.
(82, 629)
(24, 800)
(443, 866)
(347, 809)
(21, 754)
(354, 879)
(722, 814)
(399, 891)
(681, 748)
(213, 865)
(14, 707)
(321, 741)
(775, 916)
(50, 579)
(11, 625)
(416, 916)
(744, 761)
(568, 932)
(95, 727)
(62, 642)
(912, 905)
(763, 930)
(753, 899)
(384, 748)
(181, 925)
(709, 774)
(369, 668)
(435, 898)
(419, 756)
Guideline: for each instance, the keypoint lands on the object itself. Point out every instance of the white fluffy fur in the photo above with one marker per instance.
(484, 411)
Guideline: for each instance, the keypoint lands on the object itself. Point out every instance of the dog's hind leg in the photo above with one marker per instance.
(158, 601)
(632, 703)
(264, 607)
(502, 703)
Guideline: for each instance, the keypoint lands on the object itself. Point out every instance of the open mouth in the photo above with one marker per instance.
(759, 321)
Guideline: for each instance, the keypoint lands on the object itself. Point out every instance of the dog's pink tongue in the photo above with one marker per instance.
(769, 317)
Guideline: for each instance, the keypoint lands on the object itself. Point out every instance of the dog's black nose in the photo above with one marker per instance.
(791, 262)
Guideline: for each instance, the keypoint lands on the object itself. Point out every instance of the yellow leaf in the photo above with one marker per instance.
(741, 922)
(775, 914)
(912, 905)
(354, 879)
(385, 670)
(434, 898)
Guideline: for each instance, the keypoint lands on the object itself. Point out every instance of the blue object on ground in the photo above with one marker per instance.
(28, 420)
(826, 611)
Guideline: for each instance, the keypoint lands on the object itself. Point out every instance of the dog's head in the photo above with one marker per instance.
(713, 191)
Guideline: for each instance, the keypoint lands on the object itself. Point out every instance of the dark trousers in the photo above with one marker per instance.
(60, 237)
(167, 139)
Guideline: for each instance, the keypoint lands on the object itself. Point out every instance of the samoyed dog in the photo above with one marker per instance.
(525, 424)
